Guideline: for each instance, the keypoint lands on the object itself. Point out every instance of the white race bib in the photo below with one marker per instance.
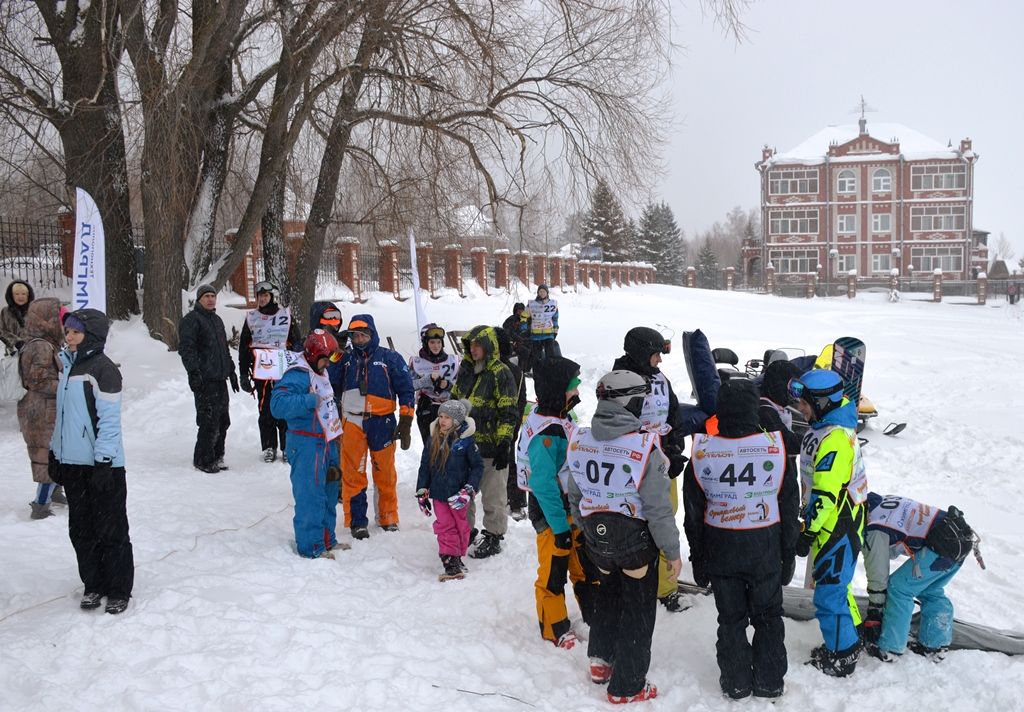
(609, 472)
(741, 479)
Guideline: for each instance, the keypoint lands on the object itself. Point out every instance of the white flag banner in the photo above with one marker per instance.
(417, 296)
(89, 281)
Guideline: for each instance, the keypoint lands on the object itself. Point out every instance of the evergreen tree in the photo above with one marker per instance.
(604, 225)
(660, 242)
(707, 266)
(630, 241)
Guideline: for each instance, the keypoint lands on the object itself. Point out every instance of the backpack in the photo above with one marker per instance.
(952, 538)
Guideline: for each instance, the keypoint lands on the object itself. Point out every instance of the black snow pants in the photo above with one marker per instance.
(212, 420)
(272, 430)
(426, 413)
(98, 528)
(516, 496)
(757, 601)
(625, 609)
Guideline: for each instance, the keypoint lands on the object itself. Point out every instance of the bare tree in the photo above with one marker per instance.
(1003, 249)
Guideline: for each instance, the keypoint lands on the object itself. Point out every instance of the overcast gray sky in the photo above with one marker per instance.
(948, 69)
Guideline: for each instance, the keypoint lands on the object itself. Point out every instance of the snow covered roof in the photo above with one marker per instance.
(913, 145)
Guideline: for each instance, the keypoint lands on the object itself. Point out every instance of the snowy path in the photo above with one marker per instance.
(226, 616)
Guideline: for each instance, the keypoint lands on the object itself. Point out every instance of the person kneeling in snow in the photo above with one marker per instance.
(619, 494)
(541, 453)
(938, 542)
(450, 472)
(742, 505)
(305, 399)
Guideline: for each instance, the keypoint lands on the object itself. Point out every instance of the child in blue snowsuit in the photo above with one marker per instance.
(937, 542)
(304, 397)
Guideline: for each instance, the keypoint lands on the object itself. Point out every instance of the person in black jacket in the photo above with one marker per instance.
(203, 347)
(516, 496)
(772, 410)
(518, 328)
(270, 326)
(742, 504)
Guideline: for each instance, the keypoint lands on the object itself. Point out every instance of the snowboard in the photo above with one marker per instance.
(848, 354)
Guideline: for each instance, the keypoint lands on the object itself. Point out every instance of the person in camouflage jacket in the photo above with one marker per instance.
(492, 392)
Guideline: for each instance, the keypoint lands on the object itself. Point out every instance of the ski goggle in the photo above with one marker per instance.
(335, 356)
(637, 390)
(331, 318)
(666, 348)
(264, 287)
(436, 333)
(795, 389)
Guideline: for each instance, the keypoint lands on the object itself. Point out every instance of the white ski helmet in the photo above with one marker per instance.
(626, 388)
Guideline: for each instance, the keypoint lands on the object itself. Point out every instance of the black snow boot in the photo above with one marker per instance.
(490, 545)
(360, 533)
(835, 664)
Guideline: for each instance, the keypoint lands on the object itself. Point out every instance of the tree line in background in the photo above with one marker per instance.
(656, 238)
(373, 117)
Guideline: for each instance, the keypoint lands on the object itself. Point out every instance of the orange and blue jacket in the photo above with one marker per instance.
(379, 374)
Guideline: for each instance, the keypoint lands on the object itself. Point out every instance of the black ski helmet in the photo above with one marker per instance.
(431, 331)
(642, 342)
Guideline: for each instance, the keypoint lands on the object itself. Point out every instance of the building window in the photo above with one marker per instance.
(794, 261)
(948, 176)
(927, 259)
(793, 182)
(881, 262)
(881, 222)
(792, 222)
(847, 263)
(847, 181)
(847, 224)
(937, 217)
(881, 181)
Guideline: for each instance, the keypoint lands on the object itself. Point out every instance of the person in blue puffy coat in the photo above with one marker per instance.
(87, 458)
(304, 397)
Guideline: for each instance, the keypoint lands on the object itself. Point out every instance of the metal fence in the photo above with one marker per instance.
(31, 250)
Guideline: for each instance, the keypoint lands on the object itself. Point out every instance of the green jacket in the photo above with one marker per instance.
(492, 393)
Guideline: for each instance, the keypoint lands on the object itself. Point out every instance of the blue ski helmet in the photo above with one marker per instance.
(821, 388)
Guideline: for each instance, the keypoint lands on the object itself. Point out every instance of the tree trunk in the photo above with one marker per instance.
(203, 217)
(275, 262)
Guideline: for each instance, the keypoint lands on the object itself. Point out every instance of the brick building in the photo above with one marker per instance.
(868, 200)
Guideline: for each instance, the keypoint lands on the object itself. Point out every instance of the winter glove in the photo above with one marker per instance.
(501, 456)
(803, 544)
(788, 567)
(700, 574)
(234, 382)
(195, 382)
(404, 431)
(423, 499)
(333, 474)
(102, 478)
(246, 383)
(676, 464)
(462, 499)
(563, 541)
(871, 628)
(53, 469)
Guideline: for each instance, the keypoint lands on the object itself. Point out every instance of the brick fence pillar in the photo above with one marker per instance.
(851, 286)
(584, 267)
(479, 257)
(453, 267)
(540, 269)
(982, 287)
(66, 227)
(730, 278)
(523, 267)
(769, 278)
(556, 272)
(894, 280)
(570, 273)
(606, 276)
(811, 285)
(348, 267)
(691, 276)
(501, 269)
(425, 266)
(388, 270)
(937, 285)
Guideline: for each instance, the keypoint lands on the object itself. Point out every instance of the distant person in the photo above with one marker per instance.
(203, 347)
(327, 316)
(40, 367)
(516, 496)
(448, 479)
(433, 375)
(269, 326)
(12, 317)
(517, 326)
(543, 326)
(88, 460)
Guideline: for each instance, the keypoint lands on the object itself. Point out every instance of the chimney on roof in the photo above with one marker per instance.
(766, 153)
(863, 123)
(965, 145)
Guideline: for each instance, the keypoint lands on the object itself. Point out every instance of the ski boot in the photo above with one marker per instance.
(489, 546)
(649, 692)
(269, 455)
(835, 664)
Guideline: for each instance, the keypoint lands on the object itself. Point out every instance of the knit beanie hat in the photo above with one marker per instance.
(205, 289)
(73, 322)
(457, 410)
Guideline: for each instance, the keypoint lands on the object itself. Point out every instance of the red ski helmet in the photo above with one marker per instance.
(319, 344)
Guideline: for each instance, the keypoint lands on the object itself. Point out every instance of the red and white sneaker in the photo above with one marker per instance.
(567, 640)
(600, 671)
(648, 693)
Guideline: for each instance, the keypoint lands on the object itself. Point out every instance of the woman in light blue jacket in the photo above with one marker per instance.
(88, 460)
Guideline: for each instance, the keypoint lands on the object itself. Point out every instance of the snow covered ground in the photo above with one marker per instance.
(226, 616)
